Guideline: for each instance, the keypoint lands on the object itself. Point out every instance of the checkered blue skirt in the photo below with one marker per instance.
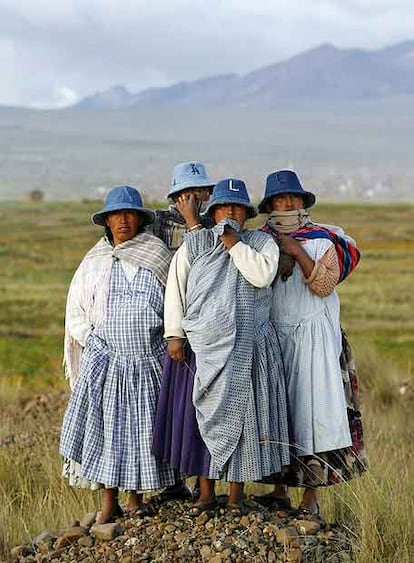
(108, 423)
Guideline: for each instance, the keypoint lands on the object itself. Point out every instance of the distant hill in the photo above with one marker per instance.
(343, 118)
(320, 75)
(114, 98)
(358, 151)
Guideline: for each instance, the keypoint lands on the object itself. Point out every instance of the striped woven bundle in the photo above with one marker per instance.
(348, 253)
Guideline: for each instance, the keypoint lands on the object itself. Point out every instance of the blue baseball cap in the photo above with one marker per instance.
(231, 190)
(285, 182)
(189, 175)
(121, 198)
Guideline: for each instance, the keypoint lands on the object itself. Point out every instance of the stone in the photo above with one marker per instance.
(244, 521)
(241, 543)
(308, 527)
(215, 559)
(287, 536)
(21, 551)
(131, 541)
(205, 552)
(172, 546)
(74, 532)
(169, 528)
(271, 529)
(294, 556)
(181, 538)
(88, 520)
(69, 536)
(202, 519)
(44, 541)
(308, 542)
(85, 541)
(46, 538)
(106, 532)
(210, 525)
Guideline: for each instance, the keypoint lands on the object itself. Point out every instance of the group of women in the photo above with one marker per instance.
(195, 346)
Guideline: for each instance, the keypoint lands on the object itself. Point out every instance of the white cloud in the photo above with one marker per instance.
(65, 97)
(82, 46)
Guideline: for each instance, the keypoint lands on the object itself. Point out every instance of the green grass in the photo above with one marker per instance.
(40, 248)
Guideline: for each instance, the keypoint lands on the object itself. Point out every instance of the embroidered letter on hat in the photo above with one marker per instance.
(231, 188)
(194, 169)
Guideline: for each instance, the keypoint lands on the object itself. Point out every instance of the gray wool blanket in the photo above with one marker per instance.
(219, 323)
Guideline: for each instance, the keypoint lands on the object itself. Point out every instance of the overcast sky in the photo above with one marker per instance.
(53, 52)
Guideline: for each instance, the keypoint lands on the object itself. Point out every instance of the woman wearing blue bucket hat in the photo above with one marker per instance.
(114, 350)
(324, 420)
(189, 192)
(218, 300)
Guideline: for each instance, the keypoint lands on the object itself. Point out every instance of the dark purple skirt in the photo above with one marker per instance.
(176, 437)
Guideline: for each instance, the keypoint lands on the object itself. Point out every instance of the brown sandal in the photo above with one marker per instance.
(236, 508)
(197, 509)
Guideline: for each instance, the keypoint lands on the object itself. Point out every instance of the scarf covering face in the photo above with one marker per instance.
(89, 287)
(346, 249)
(287, 222)
(219, 322)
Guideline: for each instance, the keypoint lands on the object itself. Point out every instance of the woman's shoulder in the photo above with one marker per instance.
(257, 239)
(317, 246)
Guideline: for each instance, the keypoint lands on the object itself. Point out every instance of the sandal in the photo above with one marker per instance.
(236, 508)
(146, 509)
(197, 509)
(304, 511)
(117, 513)
(273, 502)
(174, 492)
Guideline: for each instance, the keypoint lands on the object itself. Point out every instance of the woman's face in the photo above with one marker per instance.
(230, 211)
(285, 202)
(123, 224)
(200, 193)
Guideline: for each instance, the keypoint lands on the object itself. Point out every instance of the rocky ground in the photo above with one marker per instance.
(259, 535)
(171, 534)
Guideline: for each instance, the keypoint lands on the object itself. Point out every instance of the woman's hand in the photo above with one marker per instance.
(293, 248)
(230, 237)
(289, 246)
(186, 204)
(286, 265)
(175, 349)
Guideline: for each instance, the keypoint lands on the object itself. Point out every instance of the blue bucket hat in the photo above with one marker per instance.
(285, 182)
(122, 198)
(189, 175)
(231, 190)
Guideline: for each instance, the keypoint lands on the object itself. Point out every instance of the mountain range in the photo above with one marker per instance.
(325, 74)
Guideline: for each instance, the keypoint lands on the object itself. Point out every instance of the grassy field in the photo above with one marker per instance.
(41, 245)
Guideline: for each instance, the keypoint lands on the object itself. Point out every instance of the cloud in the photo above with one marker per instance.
(81, 46)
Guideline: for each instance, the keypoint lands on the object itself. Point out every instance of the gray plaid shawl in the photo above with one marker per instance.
(90, 284)
(219, 323)
(144, 250)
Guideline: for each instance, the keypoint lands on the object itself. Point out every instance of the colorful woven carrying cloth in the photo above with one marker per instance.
(348, 253)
